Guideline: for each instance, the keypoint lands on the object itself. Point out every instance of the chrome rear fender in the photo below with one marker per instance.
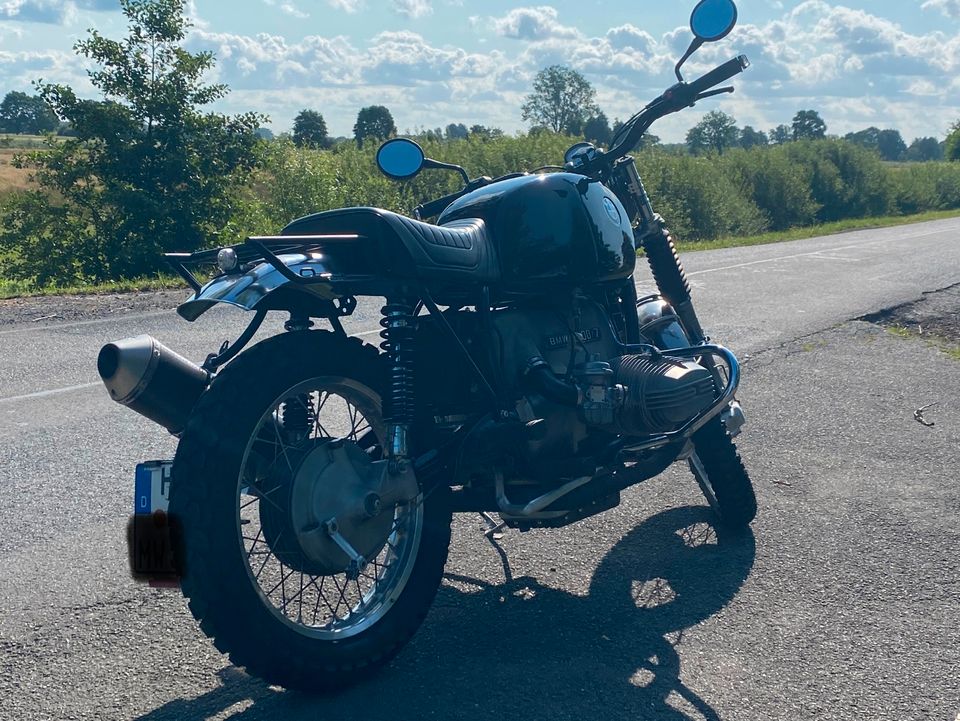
(265, 287)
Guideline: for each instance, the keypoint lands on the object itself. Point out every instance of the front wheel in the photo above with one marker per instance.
(722, 476)
(280, 567)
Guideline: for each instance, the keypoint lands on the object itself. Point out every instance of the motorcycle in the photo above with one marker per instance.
(306, 514)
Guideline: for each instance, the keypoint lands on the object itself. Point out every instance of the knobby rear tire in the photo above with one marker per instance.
(203, 502)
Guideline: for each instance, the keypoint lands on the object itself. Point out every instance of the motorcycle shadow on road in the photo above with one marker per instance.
(524, 648)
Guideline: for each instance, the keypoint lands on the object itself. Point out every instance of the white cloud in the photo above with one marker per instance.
(350, 6)
(412, 8)
(532, 23)
(950, 8)
(288, 8)
(56, 12)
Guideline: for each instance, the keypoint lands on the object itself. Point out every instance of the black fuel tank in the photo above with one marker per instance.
(555, 229)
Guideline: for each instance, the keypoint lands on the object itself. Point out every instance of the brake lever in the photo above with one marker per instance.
(711, 93)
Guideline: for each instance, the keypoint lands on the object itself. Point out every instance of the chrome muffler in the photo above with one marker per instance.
(149, 378)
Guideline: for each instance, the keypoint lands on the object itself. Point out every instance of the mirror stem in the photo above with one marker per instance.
(694, 46)
(430, 163)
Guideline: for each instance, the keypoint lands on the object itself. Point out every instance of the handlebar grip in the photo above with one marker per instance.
(720, 74)
(435, 207)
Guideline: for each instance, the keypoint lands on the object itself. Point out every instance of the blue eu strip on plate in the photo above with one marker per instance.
(152, 486)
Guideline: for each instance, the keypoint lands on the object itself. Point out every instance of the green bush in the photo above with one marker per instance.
(743, 192)
(698, 199)
(780, 188)
(847, 181)
(926, 186)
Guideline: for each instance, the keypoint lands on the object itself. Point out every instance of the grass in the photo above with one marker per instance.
(814, 231)
(22, 142)
(21, 288)
(944, 345)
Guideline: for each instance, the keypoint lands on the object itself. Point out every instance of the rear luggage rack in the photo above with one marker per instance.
(259, 248)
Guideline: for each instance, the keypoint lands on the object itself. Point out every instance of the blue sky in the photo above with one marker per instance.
(883, 63)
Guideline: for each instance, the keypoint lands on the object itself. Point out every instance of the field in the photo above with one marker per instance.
(11, 178)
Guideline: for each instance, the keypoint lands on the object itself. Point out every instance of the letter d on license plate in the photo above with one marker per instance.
(151, 532)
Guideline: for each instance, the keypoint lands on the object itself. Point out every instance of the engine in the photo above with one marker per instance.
(568, 362)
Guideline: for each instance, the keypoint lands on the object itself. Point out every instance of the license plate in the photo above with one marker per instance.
(152, 487)
(150, 534)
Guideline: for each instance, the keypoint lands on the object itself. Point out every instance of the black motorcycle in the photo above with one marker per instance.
(306, 515)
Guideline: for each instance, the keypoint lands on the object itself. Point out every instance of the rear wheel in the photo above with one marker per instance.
(722, 476)
(289, 561)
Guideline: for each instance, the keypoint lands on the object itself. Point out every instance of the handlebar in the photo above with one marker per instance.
(720, 74)
(680, 96)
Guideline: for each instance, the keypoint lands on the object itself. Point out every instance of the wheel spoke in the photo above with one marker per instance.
(280, 584)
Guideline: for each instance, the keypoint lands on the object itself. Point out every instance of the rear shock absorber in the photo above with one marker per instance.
(399, 329)
(298, 416)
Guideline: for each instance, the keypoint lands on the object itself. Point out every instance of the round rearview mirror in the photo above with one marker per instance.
(400, 158)
(713, 19)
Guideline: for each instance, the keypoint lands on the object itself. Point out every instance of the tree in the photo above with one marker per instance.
(597, 130)
(750, 138)
(264, 133)
(888, 143)
(924, 149)
(867, 138)
(951, 148)
(808, 125)
(26, 114)
(485, 133)
(891, 145)
(375, 122)
(147, 170)
(310, 130)
(781, 134)
(717, 131)
(562, 99)
(457, 131)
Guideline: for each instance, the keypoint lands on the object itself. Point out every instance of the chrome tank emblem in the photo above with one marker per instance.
(612, 211)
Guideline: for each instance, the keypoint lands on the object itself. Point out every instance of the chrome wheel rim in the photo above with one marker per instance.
(327, 606)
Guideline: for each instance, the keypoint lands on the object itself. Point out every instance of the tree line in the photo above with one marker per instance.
(562, 101)
(718, 132)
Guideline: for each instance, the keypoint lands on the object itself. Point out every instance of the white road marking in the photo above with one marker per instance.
(96, 321)
(810, 254)
(52, 392)
(84, 386)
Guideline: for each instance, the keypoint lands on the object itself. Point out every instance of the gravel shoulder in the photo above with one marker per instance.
(42, 310)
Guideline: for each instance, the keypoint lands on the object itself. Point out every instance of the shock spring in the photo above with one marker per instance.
(399, 327)
(298, 415)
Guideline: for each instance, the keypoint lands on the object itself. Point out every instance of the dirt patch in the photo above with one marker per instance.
(44, 310)
(936, 316)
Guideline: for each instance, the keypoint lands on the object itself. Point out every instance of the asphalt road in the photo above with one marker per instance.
(844, 602)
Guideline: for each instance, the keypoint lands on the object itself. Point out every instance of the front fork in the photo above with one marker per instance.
(671, 279)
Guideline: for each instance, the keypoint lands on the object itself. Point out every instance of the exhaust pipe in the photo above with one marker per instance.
(149, 378)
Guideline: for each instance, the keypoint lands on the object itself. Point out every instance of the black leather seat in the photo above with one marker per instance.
(459, 252)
